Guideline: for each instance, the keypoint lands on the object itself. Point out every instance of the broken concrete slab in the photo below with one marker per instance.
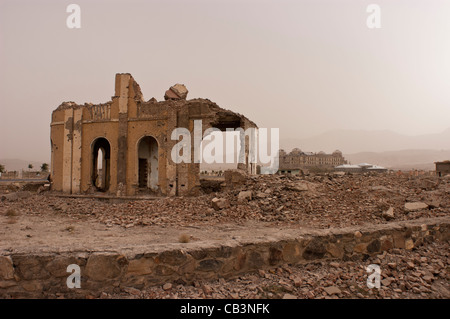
(415, 206)
(244, 196)
(176, 92)
(220, 203)
(234, 177)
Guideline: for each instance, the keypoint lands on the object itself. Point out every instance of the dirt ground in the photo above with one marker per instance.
(40, 222)
(278, 206)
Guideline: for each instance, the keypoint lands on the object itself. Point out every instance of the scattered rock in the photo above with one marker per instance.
(297, 281)
(392, 265)
(389, 214)
(415, 206)
(335, 264)
(409, 244)
(235, 177)
(167, 286)
(6, 268)
(131, 290)
(333, 290)
(386, 282)
(207, 289)
(244, 196)
(301, 186)
(220, 203)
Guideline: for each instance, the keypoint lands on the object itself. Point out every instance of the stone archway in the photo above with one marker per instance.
(148, 161)
(101, 158)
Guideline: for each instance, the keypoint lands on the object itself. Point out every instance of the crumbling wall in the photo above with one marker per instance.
(123, 122)
(39, 275)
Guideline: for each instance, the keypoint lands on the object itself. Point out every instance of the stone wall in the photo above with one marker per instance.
(45, 275)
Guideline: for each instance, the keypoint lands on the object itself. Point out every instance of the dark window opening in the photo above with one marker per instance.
(148, 163)
(101, 155)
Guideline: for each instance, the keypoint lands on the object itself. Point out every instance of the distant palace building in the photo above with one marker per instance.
(296, 161)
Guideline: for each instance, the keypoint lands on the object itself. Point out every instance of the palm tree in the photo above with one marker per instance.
(44, 167)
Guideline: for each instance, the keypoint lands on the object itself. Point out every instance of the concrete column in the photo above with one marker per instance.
(171, 167)
(76, 151)
(122, 86)
(183, 168)
(67, 151)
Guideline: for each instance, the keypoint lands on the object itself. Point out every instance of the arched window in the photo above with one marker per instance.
(101, 157)
(148, 160)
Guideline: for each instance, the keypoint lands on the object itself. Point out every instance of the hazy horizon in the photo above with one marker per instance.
(306, 67)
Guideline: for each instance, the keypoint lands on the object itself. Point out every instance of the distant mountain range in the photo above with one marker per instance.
(355, 141)
(404, 160)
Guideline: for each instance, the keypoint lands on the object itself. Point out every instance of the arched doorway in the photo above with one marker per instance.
(101, 157)
(148, 164)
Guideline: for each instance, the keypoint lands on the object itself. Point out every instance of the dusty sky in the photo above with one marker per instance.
(303, 66)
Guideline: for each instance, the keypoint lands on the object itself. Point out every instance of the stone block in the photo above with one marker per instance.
(244, 196)
(176, 92)
(6, 268)
(220, 203)
(374, 246)
(173, 257)
(292, 252)
(360, 248)
(141, 266)
(32, 285)
(335, 251)
(314, 250)
(30, 267)
(101, 267)
(210, 265)
(275, 256)
(234, 177)
(399, 241)
(58, 266)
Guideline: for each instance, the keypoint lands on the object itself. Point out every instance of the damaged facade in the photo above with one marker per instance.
(296, 161)
(442, 168)
(123, 147)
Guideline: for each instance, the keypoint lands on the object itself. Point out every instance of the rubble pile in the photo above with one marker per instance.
(421, 273)
(321, 201)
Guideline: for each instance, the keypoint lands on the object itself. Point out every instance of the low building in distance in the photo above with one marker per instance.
(442, 168)
(360, 168)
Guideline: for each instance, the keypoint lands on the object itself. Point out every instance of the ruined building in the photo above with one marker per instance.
(123, 147)
(442, 168)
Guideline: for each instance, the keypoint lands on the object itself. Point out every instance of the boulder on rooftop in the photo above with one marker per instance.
(176, 92)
